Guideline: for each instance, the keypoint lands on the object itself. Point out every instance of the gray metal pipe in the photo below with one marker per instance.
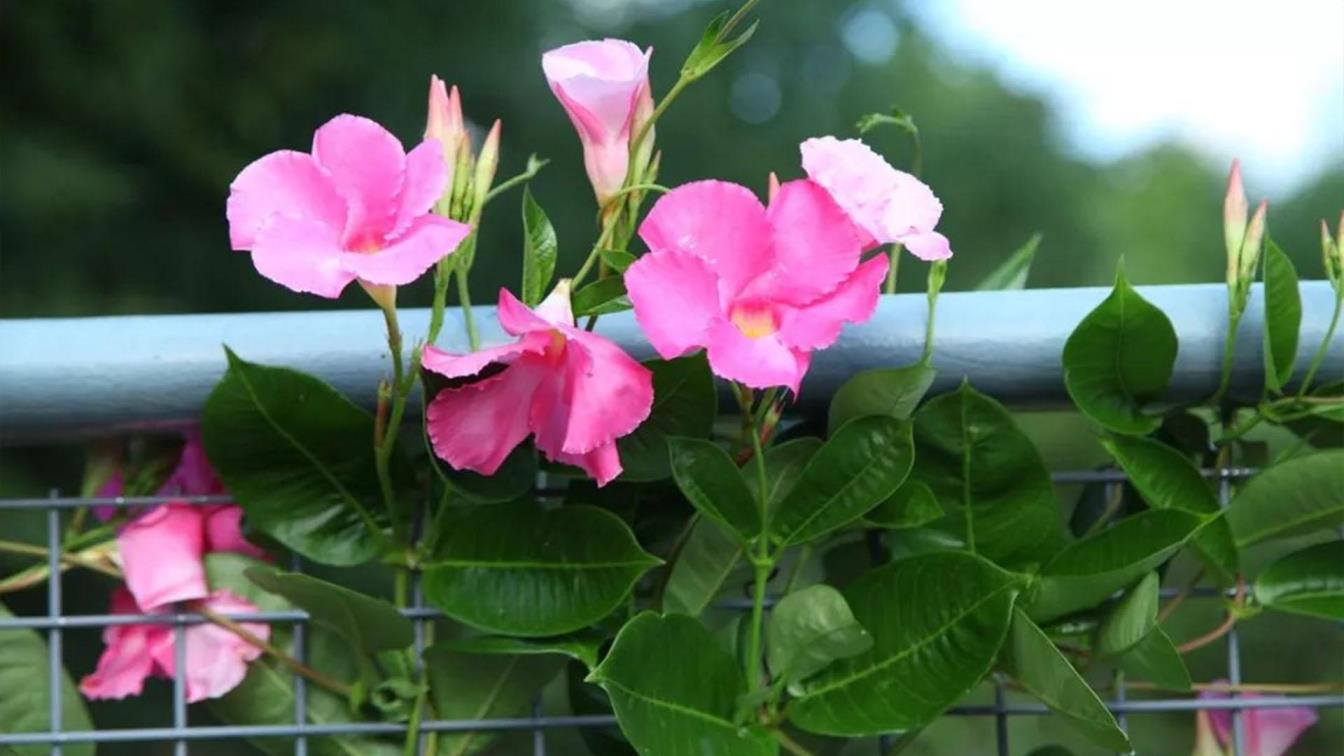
(62, 378)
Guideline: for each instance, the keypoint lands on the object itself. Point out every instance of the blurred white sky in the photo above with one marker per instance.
(1250, 78)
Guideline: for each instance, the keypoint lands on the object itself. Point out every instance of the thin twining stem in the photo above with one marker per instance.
(330, 683)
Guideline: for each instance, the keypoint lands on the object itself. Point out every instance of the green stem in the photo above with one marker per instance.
(522, 178)
(1229, 344)
(401, 587)
(791, 745)
(393, 342)
(468, 318)
(895, 253)
(442, 272)
(74, 560)
(937, 274)
(682, 83)
(1319, 357)
(330, 683)
(603, 240)
(761, 562)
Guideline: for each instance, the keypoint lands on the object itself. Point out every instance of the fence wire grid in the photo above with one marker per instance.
(181, 733)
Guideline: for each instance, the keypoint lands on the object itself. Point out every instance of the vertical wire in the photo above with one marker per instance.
(538, 732)
(179, 683)
(55, 670)
(418, 663)
(1000, 719)
(1121, 692)
(1233, 643)
(300, 682)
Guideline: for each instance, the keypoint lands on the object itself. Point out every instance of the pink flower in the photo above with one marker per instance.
(358, 207)
(162, 551)
(1269, 732)
(573, 391)
(889, 205)
(758, 288)
(445, 124)
(604, 87)
(216, 658)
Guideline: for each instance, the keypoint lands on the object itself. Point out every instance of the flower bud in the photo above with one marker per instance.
(1234, 219)
(446, 124)
(771, 188)
(1250, 244)
(486, 165)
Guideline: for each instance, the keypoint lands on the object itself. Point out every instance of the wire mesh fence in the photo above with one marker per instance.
(181, 733)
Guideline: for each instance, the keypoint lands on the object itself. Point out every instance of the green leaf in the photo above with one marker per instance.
(1012, 273)
(515, 478)
(713, 484)
(714, 46)
(809, 629)
(1119, 359)
(683, 708)
(1166, 479)
(1283, 316)
(913, 505)
(581, 646)
(1132, 618)
(539, 250)
(988, 477)
(1310, 581)
(298, 458)
(368, 624)
(707, 559)
(483, 686)
(1301, 495)
(684, 404)
(617, 260)
(860, 466)
(25, 704)
(1156, 660)
(930, 646)
(894, 392)
(522, 570)
(601, 297)
(1033, 661)
(784, 465)
(1087, 571)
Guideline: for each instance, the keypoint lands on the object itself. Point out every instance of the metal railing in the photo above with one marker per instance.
(67, 378)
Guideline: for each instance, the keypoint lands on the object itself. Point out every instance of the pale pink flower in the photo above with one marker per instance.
(575, 392)
(1269, 732)
(358, 207)
(889, 205)
(162, 551)
(216, 658)
(604, 87)
(445, 124)
(758, 288)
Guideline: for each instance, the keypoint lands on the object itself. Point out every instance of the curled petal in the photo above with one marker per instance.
(928, 246)
(760, 363)
(723, 224)
(474, 427)
(602, 464)
(517, 319)
(161, 555)
(450, 365)
(284, 183)
(881, 200)
(427, 240)
(817, 325)
(303, 255)
(128, 654)
(609, 394)
(366, 164)
(676, 300)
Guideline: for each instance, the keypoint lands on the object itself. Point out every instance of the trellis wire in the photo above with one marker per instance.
(181, 733)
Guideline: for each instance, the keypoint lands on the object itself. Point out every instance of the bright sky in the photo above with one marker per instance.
(1260, 80)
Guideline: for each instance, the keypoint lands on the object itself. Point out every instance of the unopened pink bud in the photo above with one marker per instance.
(1234, 220)
(1250, 244)
(486, 165)
(771, 188)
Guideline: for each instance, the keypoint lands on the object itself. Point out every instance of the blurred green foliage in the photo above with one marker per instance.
(122, 123)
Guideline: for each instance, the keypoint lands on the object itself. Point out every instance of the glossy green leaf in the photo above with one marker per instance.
(298, 458)
(784, 465)
(515, 478)
(581, 646)
(522, 570)
(1156, 660)
(988, 477)
(601, 297)
(539, 250)
(1166, 479)
(674, 690)
(368, 624)
(858, 468)
(713, 484)
(589, 700)
(894, 392)
(703, 567)
(617, 260)
(1300, 495)
(684, 404)
(809, 629)
(1130, 619)
(1087, 571)
(937, 623)
(483, 686)
(913, 505)
(1310, 581)
(25, 703)
(1012, 272)
(1283, 316)
(1032, 659)
(1119, 360)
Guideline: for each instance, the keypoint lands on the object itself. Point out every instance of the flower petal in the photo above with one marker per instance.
(474, 427)
(161, 555)
(450, 365)
(425, 182)
(816, 246)
(193, 475)
(609, 394)
(721, 223)
(602, 464)
(303, 255)
(759, 363)
(928, 246)
(128, 655)
(599, 83)
(224, 532)
(366, 164)
(286, 183)
(817, 325)
(1272, 732)
(216, 658)
(429, 239)
(676, 299)
(517, 319)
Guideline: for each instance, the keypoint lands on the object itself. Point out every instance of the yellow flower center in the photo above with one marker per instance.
(754, 321)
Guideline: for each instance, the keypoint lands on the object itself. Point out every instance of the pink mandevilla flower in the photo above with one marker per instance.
(1269, 732)
(358, 207)
(889, 205)
(604, 87)
(758, 288)
(574, 391)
